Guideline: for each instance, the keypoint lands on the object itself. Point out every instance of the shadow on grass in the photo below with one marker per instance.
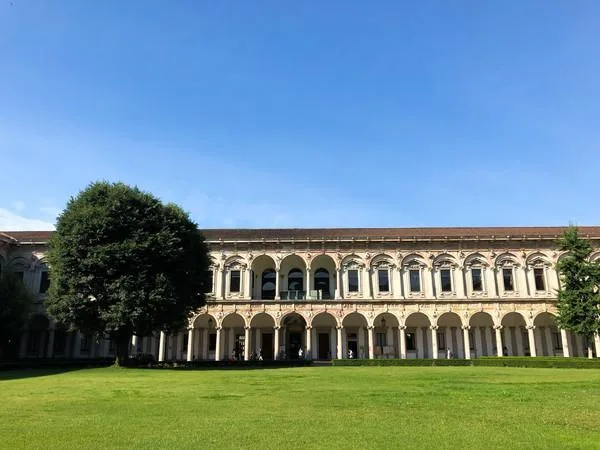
(20, 369)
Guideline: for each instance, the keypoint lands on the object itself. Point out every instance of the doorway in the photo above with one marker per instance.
(294, 344)
(267, 346)
(323, 344)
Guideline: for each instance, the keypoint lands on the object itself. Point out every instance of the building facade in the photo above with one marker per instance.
(345, 293)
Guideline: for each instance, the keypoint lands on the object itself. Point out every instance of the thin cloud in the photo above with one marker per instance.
(10, 221)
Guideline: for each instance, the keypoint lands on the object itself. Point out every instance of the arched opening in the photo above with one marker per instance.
(386, 326)
(548, 340)
(418, 336)
(268, 284)
(293, 346)
(233, 337)
(449, 335)
(292, 270)
(324, 336)
(205, 344)
(355, 326)
(483, 342)
(322, 283)
(262, 326)
(514, 339)
(295, 283)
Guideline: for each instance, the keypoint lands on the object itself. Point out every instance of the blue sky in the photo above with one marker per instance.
(305, 114)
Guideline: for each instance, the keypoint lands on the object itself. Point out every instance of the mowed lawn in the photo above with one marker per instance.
(321, 407)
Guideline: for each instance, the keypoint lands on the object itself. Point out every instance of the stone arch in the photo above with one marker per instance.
(445, 259)
(450, 335)
(353, 261)
(233, 320)
(414, 259)
(281, 320)
(418, 335)
(204, 320)
(355, 331)
(484, 335)
(235, 261)
(323, 277)
(547, 334)
(385, 326)
(538, 258)
(475, 259)
(262, 320)
(263, 287)
(382, 260)
(292, 277)
(293, 259)
(19, 263)
(355, 319)
(449, 318)
(506, 258)
(514, 339)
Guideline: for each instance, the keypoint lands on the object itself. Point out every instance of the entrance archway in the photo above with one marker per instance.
(418, 336)
(262, 325)
(482, 327)
(324, 336)
(514, 339)
(293, 346)
(450, 336)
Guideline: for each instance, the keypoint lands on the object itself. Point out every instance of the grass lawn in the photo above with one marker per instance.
(321, 407)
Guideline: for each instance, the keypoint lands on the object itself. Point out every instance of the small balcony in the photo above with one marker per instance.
(304, 295)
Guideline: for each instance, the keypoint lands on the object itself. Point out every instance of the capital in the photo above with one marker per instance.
(434, 327)
(340, 327)
(531, 327)
(466, 327)
(402, 327)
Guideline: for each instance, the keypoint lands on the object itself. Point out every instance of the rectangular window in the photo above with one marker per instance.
(384, 280)
(212, 342)
(446, 280)
(410, 341)
(415, 280)
(507, 276)
(540, 284)
(44, 282)
(353, 280)
(476, 280)
(234, 282)
(209, 281)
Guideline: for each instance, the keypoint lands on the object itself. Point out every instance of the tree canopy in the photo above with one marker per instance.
(15, 303)
(124, 263)
(579, 296)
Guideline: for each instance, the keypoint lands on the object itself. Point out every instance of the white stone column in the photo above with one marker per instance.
(277, 295)
(531, 336)
(205, 343)
(434, 342)
(478, 343)
(276, 342)
(499, 346)
(218, 344)
(448, 338)
(179, 346)
(460, 345)
(338, 284)
(597, 344)
(309, 342)
(219, 282)
(161, 346)
(50, 353)
(257, 341)
(231, 343)
(247, 283)
(371, 342)
(565, 343)
(488, 341)
(190, 344)
(467, 341)
(308, 296)
(420, 344)
(332, 343)
(247, 344)
(402, 339)
(508, 342)
(519, 339)
(361, 343)
(549, 341)
(340, 344)
(314, 344)
(539, 344)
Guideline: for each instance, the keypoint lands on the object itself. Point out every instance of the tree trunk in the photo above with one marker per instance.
(122, 348)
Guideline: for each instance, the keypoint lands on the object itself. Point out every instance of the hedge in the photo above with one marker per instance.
(55, 363)
(225, 364)
(492, 361)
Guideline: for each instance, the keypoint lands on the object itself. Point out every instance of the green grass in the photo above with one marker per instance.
(314, 407)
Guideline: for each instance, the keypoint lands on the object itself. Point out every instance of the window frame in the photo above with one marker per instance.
(386, 271)
(231, 281)
(351, 288)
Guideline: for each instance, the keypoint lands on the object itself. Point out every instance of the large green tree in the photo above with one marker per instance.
(15, 303)
(579, 295)
(123, 263)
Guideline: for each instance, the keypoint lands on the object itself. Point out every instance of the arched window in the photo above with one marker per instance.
(322, 282)
(268, 284)
(295, 280)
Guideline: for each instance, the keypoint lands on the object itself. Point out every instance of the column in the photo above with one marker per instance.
(402, 338)
(247, 343)
(597, 344)
(161, 346)
(277, 295)
(50, 343)
(565, 343)
(276, 338)
(549, 341)
(448, 334)
(488, 341)
(340, 350)
(332, 343)
(467, 342)
(371, 342)
(460, 345)
(478, 343)
(499, 346)
(190, 346)
(389, 338)
(539, 347)
(205, 343)
(366, 283)
(420, 345)
(218, 344)
(308, 283)
(309, 342)
(508, 341)
(178, 346)
(434, 342)
(519, 339)
(134, 341)
(231, 343)
(257, 339)
(530, 334)
(338, 285)
(219, 283)
(314, 344)
(247, 283)
(361, 343)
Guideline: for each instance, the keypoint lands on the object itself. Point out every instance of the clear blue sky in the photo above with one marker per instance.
(305, 114)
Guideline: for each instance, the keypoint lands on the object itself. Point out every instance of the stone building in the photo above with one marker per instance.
(339, 293)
